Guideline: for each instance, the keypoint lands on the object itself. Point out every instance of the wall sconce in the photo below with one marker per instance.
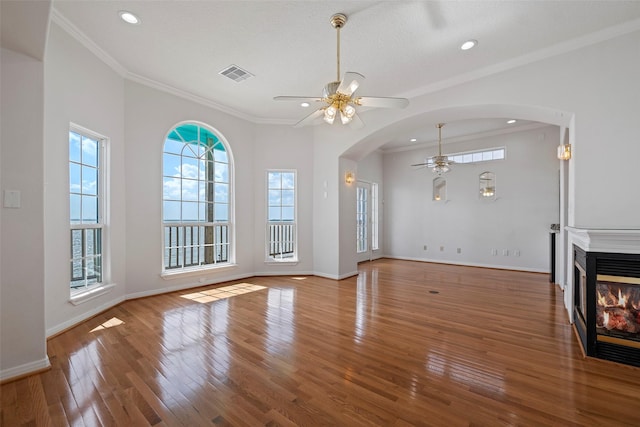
(349, 178)
(564, 151)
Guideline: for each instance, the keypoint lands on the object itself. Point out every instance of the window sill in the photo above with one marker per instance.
(194, 271)
(284, 261)
(91, 293)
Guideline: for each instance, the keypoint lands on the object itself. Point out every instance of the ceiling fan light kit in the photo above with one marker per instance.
(439, 164)
(338, 95)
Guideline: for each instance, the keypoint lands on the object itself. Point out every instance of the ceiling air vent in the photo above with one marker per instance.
(236, 73)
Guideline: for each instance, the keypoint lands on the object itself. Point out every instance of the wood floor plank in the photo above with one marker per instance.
(402, 344)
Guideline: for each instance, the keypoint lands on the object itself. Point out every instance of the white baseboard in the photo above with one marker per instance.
(284, 273)
(471, 264)
(184, 286)
(84, 316)
(25, 369)
(336, 276)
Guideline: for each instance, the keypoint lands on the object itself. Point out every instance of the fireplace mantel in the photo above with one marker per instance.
(606, 240)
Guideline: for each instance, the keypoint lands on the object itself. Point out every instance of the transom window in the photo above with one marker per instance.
(86, 207)
(478, 156)
(281, 216)
(196, 197)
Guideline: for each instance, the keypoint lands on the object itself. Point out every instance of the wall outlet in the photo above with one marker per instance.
(459, 250)
(516, 252)
(441, 248)
(494, 252)
(424, 247)
(505, 252)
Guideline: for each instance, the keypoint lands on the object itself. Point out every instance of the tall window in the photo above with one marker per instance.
(86, 197)
(374, 217)
(196, 198)
(281, 216)
(362, 215)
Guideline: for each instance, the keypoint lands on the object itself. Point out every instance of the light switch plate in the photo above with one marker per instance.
(12, 199)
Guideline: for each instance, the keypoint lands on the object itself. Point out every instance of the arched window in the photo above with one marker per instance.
(196, 211)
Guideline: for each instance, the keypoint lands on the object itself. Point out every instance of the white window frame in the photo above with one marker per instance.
(375, 220)
(288, 227)
(91, 290)
(199, 226)
(362, 219)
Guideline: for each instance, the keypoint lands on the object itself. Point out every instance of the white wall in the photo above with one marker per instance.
(282, 147)
(150, 115)
(22, 322)
(592, 90)
(519, 219)
(80, 89)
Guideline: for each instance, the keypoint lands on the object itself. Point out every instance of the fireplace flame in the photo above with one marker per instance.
(622, 299)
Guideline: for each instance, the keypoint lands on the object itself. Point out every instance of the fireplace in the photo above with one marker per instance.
(607, 304)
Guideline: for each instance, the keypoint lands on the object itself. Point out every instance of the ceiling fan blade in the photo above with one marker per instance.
(381, 102)
(356, 122)
(310, 118)
(349, 83)
(297, 98)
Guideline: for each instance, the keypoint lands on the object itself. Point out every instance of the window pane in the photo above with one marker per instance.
(487, 156)
(221, 212)
(74, 178)
(220, 156)
(288, 214)
(221, 172)
(222, 193)
(171, 145)
(203, 187)
(275, 197)
(477, 157)
(74, 147)
(498, 154)
(189, 189)
(89, 209)
(274, 180)
(89, 180)
(288, 180)
(274, 213)
(189, 211)
(171, 189)
(89, 151)
(288, 197)
(189, 168)
(171, 165)
(171, 211)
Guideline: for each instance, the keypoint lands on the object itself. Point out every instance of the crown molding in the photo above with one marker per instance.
(558, 49)
(539, 55)
(83, 39)
(471, 137)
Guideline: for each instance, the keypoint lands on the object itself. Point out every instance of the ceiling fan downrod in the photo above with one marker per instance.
(337, 21)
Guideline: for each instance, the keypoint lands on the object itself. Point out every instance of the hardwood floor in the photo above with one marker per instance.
(404, 343)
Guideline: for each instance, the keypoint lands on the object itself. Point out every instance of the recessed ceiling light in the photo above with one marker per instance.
(469, 44)
(128, 17)
(413, 140)
(305, 104)
(512, 121)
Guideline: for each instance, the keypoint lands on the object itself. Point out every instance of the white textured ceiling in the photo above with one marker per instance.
(403, 48)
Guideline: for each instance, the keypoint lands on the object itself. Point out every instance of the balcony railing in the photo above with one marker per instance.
(281, 240)
(192, 245)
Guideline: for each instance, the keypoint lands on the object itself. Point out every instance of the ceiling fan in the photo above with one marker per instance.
(338, 96)
(440, 164)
